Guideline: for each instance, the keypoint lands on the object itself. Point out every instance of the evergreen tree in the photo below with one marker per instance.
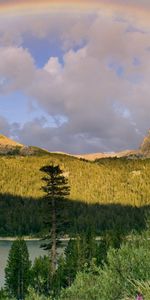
(56, 189)
(39, 274)
(17, 272)
(79, 254)
(72, 260)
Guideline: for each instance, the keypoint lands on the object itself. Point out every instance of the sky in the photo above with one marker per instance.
(75, 75)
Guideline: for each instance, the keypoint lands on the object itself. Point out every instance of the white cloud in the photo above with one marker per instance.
(85, 89)
(70, 28)
(16, 69)
(53, 66)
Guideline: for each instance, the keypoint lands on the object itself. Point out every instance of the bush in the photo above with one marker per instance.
(35, 296)
(131, 263)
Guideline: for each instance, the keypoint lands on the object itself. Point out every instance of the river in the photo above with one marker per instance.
(34, 251)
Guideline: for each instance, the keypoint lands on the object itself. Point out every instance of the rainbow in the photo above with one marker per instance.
(24, 7)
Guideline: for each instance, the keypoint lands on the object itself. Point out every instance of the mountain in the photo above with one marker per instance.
(10, 147)
(145, 146)
(7, 142)
(143, 151)
(94, 156)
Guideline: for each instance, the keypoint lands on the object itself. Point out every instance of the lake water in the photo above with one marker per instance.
(34, 251)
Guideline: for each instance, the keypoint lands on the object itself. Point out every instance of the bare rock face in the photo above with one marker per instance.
(8, 146)
(145, 146)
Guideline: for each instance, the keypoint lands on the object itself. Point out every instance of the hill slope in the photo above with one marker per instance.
(108, 181)
(8, 146)
(5, 141)
(103, 193)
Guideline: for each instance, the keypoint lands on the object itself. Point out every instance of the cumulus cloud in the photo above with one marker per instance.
(101, 89)
(16, 69)
(69, 28)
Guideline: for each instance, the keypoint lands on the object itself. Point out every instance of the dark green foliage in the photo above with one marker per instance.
(102, 248)
(4, 295)
(56, 189)
(79, 254)
(56, 185)
(82, 250)
(40, 275)
(17, 272)
(24, 216)
(21, 216)
(118, 279)
(73, 260)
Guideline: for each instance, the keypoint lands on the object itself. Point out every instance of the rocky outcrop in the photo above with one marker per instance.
(145, 146)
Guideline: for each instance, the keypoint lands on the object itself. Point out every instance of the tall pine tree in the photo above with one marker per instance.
(56, 188)
(17, 272)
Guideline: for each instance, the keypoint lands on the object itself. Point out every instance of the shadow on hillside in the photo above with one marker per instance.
(24, 216)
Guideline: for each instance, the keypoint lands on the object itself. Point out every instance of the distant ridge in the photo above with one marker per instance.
(142, 152)
(93, 156)
(10, 147)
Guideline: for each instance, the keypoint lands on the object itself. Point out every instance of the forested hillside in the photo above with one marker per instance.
(102, 193)
(105, 181)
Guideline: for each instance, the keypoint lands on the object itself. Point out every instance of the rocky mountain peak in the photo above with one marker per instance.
(145, 146)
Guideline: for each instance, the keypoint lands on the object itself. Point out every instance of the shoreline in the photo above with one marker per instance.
(26, 238)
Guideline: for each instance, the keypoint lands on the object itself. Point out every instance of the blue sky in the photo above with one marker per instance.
(42, 49)
(16, 106)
